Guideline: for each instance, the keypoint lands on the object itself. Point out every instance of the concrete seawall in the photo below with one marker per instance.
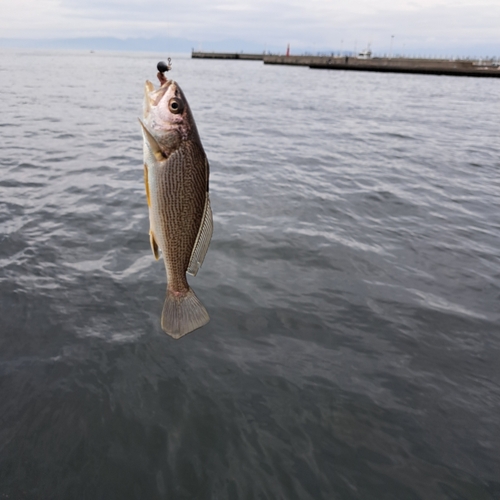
(295, 60)
(390, 65)
(417, 66)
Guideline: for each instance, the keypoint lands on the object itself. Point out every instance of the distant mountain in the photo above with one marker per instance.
(137, 44)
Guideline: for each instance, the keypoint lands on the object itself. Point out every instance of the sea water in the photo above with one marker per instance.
(353, 284)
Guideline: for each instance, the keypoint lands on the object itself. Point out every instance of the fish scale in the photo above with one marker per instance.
(178, 213)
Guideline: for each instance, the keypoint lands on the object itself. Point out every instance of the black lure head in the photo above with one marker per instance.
(162, 66)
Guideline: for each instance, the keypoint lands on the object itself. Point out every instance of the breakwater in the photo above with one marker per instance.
(296, 60)
(457, 67)
(226, 55)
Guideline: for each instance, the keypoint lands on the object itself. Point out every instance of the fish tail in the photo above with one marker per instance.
(182, 314)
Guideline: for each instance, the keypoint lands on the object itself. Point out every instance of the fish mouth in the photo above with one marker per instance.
(152, 95)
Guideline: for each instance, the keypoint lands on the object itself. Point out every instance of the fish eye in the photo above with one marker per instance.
(175, 105)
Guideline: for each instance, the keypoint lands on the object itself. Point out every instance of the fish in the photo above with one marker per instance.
(176, 176)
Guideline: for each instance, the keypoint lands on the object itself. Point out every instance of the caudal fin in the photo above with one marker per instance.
(183, 314)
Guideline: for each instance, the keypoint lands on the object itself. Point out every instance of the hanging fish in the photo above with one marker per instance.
(176, 174)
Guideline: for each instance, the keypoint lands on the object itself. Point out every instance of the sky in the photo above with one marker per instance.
(405, 26)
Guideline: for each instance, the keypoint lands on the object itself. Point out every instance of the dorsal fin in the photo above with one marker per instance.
(202, 240)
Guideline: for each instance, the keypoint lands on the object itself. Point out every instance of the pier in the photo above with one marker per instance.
(456, 67)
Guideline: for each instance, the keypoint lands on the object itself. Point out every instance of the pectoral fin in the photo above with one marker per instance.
(202, 240)
(154, 245)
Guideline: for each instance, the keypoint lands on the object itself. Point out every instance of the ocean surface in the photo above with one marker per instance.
(353, 284)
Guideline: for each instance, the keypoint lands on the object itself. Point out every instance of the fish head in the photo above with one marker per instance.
(168, 116)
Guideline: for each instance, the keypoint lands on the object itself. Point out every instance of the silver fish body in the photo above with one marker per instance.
(176, 175)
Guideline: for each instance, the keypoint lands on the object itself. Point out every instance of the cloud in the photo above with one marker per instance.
(315, 23)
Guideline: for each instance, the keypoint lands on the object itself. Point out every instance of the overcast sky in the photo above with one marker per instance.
(417, 25)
